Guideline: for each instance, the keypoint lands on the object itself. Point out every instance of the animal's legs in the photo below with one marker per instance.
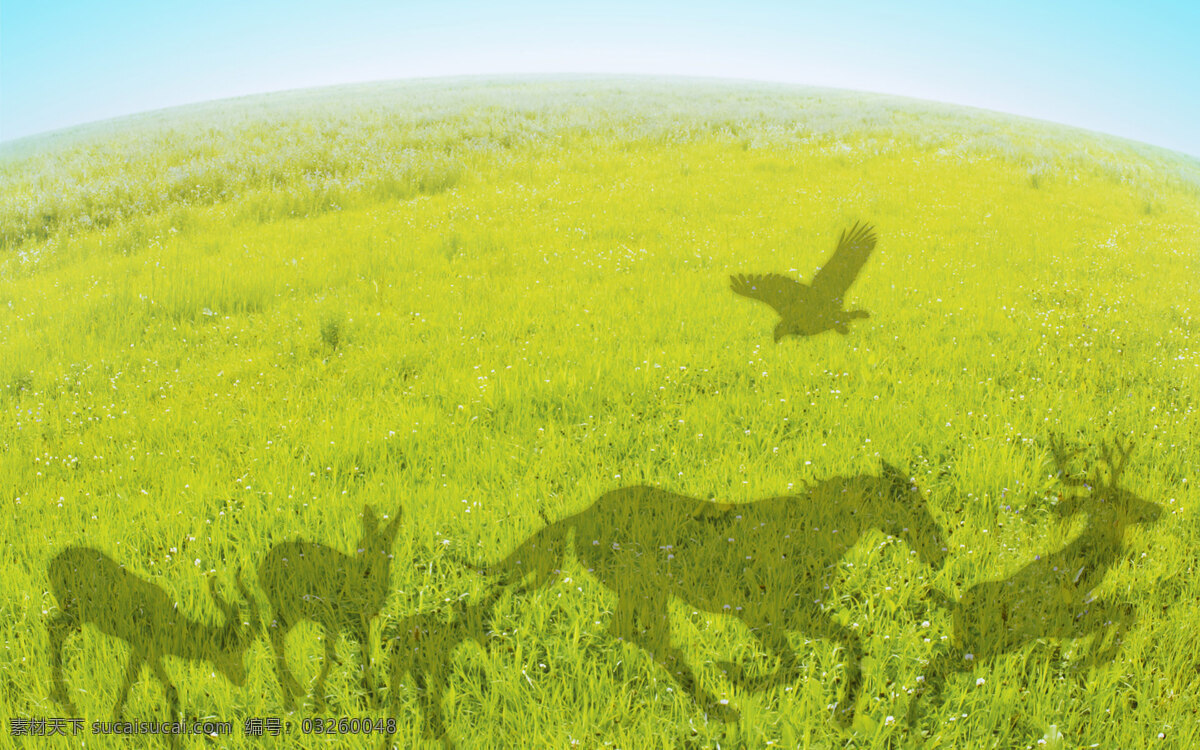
(136, 657)
(168, 687)
(644, 620)
(331, 639)
(400, 664)
(364, 640)
(288, 685)
(945, 663)
(1109, 621)
(172, 695)
(431, 680)
(774, 639)
(823, 627)
(59, 626)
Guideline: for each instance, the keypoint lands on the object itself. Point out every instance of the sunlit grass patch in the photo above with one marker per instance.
(489, 304)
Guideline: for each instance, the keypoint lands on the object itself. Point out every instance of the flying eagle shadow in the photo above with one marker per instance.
(809, 309)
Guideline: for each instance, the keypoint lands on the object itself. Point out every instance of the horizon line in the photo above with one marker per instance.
(72, 129)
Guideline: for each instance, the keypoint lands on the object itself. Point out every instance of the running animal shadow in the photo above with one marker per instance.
(809, 309)
(1050, 597)
(423, 647)
(340, 592)
(767, 562)
(91, 587)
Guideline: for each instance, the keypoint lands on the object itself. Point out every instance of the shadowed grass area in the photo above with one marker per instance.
(229, 327)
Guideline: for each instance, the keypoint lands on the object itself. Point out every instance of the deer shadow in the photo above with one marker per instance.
(1052, 596)
(423, 646)
(307, 581)
(93, 588)
(770, 563)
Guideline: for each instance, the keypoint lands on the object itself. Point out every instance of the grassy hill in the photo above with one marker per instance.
(483, 304)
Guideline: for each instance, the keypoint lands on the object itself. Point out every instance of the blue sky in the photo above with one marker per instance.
(1129, 69)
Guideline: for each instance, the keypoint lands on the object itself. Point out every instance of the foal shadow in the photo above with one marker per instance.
(423, 646)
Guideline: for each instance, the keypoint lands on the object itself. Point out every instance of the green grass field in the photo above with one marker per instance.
(485, 304)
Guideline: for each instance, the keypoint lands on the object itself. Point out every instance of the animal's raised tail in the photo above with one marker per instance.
(540, 556)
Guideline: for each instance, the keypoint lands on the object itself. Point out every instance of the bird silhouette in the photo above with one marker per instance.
(809, 309)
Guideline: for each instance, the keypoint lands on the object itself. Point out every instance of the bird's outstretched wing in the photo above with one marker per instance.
(836, 276)
(777, 291)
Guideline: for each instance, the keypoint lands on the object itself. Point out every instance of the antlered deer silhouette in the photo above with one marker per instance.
(93, 588)
(340, 592)
(1050, 597)
(767, 562)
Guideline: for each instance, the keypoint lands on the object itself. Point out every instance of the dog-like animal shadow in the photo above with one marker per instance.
(767, 562)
